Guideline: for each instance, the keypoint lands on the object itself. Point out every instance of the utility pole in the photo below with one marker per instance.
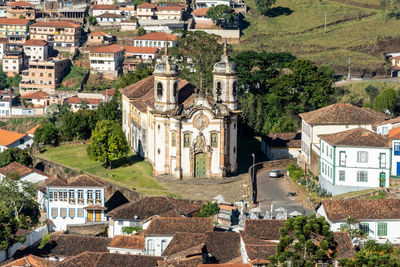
(348, 75)
(325, 23)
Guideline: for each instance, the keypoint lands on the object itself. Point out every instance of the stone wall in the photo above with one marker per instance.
(95, 228)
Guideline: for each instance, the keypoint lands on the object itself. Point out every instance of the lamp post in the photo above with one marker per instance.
(253, 178)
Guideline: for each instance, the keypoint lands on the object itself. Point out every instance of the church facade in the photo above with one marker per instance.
(180, 130)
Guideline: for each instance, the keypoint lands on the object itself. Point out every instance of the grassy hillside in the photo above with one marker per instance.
(356, 28)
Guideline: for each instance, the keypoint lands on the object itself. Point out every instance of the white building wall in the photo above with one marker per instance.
(160, 243)
(36, 52)
(5, 108)
(395, 161)
(33, 177)
(126, 251)
(102, 11)
(154, 43)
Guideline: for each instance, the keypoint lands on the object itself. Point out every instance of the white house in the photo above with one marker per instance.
(6, 97)
(144, 53)
(76, 103)
(109, 19)
(210, 3)
(98, 10)
(9, 139)
(36, 49)
(107, 60)
(281, 145)
(37, 99)
(77, 200)
(133, 244)
(146, 11)
(140, 213)
(3, 46)
(379, 218)
(156, 39)
(385, 126)
(128, 25)
(161, 231)
(169, 12)
(354, 160)
(331, 119)
(25, 173)
(394, 136)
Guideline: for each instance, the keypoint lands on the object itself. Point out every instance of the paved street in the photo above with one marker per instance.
(274, 191)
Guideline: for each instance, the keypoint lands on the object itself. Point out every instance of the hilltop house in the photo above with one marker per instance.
(76, 103)
(25, 173)
(394, 136)
(20, 9)
(133, 244)
(9, 139)
(107, 60)
(354, 160)
(98, 10)
(156, 39)
(99, 37)
(379, 218)
(281, 145)
(77, 200)
(36, 50)
(6, 97)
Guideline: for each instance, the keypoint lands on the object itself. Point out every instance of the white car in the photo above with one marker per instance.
(275, 173)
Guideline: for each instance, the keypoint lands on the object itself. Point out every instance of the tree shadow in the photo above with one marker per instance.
(126, 161)
(278, 11)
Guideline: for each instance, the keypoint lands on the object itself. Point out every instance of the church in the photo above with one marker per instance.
(180, 130)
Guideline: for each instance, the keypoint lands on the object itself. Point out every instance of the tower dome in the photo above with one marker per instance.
(225, 66)
(166, 68)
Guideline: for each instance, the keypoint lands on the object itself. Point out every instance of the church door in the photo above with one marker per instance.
(200, 164)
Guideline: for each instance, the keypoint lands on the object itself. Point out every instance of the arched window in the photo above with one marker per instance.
(234, 88)
(219, 89)
(214, 140)
(173, 139)
(175, 89)
(159, 90)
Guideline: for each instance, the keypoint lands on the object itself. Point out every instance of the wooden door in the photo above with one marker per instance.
(90, 216)
(200, 165)
(98, 215)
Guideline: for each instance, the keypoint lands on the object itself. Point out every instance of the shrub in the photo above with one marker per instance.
(128, 230)
(43, 242)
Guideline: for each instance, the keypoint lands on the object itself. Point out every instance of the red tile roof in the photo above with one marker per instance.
(109, 15)
(8, 137)
(356, 137)
(20, 169)
(394, 133)
(114, 48)
(109, 92)
(6, 21)
(140, 50)
(32, 261)
(105, 7)
(33, 130)
(20, 3)
(56, 23)
(36, 95)
(177, 8)
(129, 242)
(201, 12)
(34, 42)
(98, 33)
(157, 36)
(170, 226)
(3, 40)
(82, 180)
(147, 5)
(77, 100)
(345, 247)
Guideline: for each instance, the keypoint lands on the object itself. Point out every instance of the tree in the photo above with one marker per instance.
(386, 101)
(9, 226)
(77, 126)
(14, 82)
(141, 31)
(15, 154)
(3, 79)
(209, 209)
(92, 20)
(372, 92)
(305, 241)
(352, 226)
(142, 71)
(107, 143)
(193, 53)
(110, 110)
(222, 15)
(17, 195)
(263, 6)
(47, 134)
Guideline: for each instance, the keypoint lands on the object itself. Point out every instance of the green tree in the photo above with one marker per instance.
(304, 241)
(352, 226)
(110, 110)
(17, 195)
(263, 6)
(209, 209)
(77, 126)
(13, 82)
(372, 92)
(107, 143)
(15, 154)
(9, 226)
(3, 79)
(47, 134)
(386, 101)
(92, 20)
(141, 31)
(142, 71)
(222, 15)
(13, 175)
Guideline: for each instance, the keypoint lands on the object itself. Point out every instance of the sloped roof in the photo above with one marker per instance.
(177, 8)
(140, 50)
(56, 23)
(36, 95)
(20, 3)
(157, 36)
(82, 180)
(147, 5)
(34, 42)
(362, 209)
(105, 7)
(391, 121)
(150, 206)
(109, 15)
(114, 48)
(170, 226)
(129, 242)
(264, 229)
(31, 261)
(6, 21)
(183, 241)
(223, 246)
(109, 92)
(342, 113)
(258, 249)
(33, 130)
(77, 100)
(20, 169)
(201, 12)
(356, 137)
(9, 137)
(345, 247)
(99, 33)
(394, 133)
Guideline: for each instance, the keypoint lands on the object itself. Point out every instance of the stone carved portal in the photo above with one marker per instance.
(201, 121)
(200, 157)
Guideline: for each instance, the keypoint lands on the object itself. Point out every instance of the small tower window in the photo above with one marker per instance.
(234, 88)
(173, 139)
(218, 90)
(175, 88)
(159, 90)
(186, 140)
(214, 140)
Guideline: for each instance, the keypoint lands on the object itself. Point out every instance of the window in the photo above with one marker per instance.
(175, 88)
(342, 158)
(342, 176)
(63, 212)
(330, 152)
(382, 160)
(80, 213)
(186, 140)
(80, 194)
(164, 244)
(71, 213)
(150, 247)
(159, 90)
(382, 229)
(397, 149)
(90, 195)
(362, 157)
(322, 167)
(173, 139)
(214, 139)
(120, 222)
(54, 212)
(21, 141)
(71, 194)
(234, 88)
(362, 176)
(98, 196)
(218, 90)
(364, 227)
(385, 130)
(323, 146)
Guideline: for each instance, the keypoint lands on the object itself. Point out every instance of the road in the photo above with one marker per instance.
(274, 191)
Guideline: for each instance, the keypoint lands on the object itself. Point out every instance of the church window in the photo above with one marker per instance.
(186, 140)
(218, 89)
(173, 139)
(214, 139)
(175, 88)
(234, 150)
(234, 88)
(159, 90)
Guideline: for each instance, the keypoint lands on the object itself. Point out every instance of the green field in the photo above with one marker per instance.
(357, 29)
(131, 173)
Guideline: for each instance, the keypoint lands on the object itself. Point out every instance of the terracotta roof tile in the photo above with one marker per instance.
(157, 36)
(6, 21)
(222, 246)
(130, 242)
(8, 137)
(345, 247)
(182, 262)
(95, 207)
(36, 95)
(140, 50)
(391, 121)
(98, 33)
(263, 229)
(20, 169)
(201, 12)
(56, 23)
(176, 8)
(20, 3)
(356, 137)
(31, 261)
(82, 180)
(362, 209)
(229, 264)
(3, 40)
(114, 48)
(105, 7)
(342, 113)
(109, 92)
(170, 226)
(109, 15)
(77, 100)
(394, 133)
(147, 5)
(33, 130)
(182, 241)
(34, 42)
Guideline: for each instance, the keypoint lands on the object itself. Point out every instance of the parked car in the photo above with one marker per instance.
(275, 173)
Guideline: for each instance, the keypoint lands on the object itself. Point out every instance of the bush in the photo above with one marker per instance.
(128, 230)
(295, 172)
(322, 192)
(44, 241)
(208, 209)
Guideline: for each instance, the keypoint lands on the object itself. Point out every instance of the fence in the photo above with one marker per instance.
(31, 238)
